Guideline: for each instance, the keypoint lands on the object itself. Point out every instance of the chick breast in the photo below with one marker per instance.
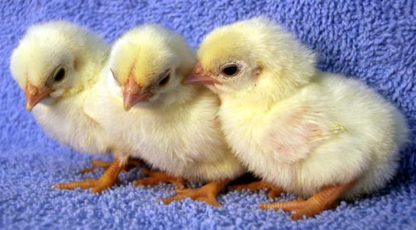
(184, 140)
(69, 122)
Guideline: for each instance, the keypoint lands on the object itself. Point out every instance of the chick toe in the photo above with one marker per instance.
(156, 177)
(96, 164)
(326, 199)
(207, 193)
(106, 181)
(273, 191)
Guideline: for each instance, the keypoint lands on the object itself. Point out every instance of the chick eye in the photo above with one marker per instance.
(230, 70)
(165, 79)
(59, 75)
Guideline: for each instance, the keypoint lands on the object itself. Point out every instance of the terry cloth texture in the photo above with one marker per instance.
(374, 41)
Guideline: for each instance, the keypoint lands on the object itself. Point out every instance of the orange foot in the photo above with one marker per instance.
(274, 191)
(106, 181)
(208, 193)
(326, 199)
(156, 177)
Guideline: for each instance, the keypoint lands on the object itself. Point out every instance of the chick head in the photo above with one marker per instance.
(149, 63)
(253, 54)
(46, 62)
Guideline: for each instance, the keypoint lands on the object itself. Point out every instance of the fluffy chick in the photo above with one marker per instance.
(57, 64)
(171, 126)
(311, 133)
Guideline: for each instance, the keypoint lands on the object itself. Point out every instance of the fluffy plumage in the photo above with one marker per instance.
(65, 61)
(44, 49)
(295, 127)
(171, 126)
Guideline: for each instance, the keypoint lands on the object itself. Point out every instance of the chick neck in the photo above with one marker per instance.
(176, 99)
(89, 66)
(264, 94)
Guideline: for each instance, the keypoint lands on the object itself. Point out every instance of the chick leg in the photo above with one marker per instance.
(134, 163)
(155, 177)
(97, 164)
(106, 181)
(208, 193)
(325, 199)
(274, 191)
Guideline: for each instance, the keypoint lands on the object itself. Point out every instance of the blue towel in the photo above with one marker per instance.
(374, 41)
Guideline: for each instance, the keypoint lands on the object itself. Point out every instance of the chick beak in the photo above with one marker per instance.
(34, 95)
(199, 76)
(133, 93)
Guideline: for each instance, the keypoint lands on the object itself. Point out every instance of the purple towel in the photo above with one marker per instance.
(373, 41)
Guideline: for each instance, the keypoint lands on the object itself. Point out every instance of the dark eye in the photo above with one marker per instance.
(164, 80)
(230, 70)
(59, 75)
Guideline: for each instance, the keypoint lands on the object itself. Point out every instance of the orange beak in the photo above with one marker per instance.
(34, 95)
(133, 93)
(199, 76)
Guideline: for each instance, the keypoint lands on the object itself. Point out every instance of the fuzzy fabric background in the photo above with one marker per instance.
(374, 41)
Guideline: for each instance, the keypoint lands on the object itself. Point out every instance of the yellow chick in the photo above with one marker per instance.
(171, 126)
(57, 64)
(318, 135)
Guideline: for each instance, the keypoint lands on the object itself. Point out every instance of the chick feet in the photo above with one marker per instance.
(327, 198)
(208, 193)
(274, 191)
(106, 181)
(155, 178)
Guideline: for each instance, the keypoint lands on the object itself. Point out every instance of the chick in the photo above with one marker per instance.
(171, 126)
(57, 64)
(321, 136)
